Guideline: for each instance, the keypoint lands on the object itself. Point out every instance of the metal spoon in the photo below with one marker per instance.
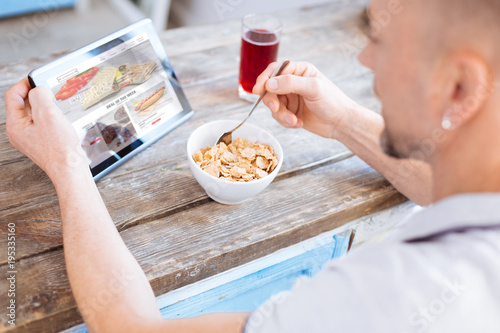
(227, 137)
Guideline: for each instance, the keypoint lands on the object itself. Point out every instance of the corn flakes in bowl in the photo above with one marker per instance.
(232, 174)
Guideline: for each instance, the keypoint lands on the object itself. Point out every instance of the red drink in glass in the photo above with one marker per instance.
(259, 47)
(256, 56)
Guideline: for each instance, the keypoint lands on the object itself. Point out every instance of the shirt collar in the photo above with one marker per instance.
(454, 213)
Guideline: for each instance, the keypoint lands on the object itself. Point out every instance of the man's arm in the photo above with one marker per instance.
(304, 98)
(413, 178)
(110, 288)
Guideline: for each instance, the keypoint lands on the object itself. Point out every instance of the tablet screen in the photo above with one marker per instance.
(116, 97)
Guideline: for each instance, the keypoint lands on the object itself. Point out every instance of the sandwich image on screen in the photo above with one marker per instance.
(116, 97)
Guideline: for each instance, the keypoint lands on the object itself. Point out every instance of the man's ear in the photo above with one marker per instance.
(472, 84)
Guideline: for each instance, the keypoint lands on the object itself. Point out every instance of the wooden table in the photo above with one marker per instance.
(175, 231)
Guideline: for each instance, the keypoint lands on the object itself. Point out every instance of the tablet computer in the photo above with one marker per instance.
(120, 93)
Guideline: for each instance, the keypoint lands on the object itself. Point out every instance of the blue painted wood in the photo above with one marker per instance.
(77, 329)
(17, 7)
(248, 292)
(342, 243)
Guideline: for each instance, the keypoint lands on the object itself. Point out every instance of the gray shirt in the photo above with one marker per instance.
(440, 272)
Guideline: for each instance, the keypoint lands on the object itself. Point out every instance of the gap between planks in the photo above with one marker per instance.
(299, 170)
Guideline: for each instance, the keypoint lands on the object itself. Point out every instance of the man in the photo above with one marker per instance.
(435, 66)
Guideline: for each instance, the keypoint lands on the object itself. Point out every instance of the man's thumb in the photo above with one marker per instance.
(292, 84)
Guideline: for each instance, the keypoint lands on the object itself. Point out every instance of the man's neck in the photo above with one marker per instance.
(469, 162)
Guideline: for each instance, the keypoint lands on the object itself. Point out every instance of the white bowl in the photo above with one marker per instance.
(221, 190)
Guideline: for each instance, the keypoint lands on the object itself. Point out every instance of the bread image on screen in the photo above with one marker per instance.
(103, 84)
(141, 72)
(147, 105)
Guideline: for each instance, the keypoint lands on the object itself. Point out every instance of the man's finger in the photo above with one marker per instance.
(14, 101)
(295, 68)
(285, 100)
(272, 102)
(44, 102)
(286, 117)
(291, 84)
(263, 77)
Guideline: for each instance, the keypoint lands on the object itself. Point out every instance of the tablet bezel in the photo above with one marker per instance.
(41, 75)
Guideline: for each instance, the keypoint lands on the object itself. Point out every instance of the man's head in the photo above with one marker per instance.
(435, 62)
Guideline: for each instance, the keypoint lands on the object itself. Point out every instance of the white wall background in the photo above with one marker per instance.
(194, 12)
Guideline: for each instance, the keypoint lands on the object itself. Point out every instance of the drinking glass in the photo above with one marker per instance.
(260, 37)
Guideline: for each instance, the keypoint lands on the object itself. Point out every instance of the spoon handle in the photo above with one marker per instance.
(277, 72)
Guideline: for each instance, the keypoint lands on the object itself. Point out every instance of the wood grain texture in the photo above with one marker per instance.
(214, 99)
(175, 231)
(201, 241)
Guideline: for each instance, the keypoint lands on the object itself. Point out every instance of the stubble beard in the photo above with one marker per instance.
(388, 145)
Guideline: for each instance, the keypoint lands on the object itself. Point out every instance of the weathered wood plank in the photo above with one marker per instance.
(193, 244)
(138, 193)
(175, 141)
(227, 107)
(218, 98)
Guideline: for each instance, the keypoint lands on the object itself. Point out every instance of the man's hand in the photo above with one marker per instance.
(38, 129)
(303, 97)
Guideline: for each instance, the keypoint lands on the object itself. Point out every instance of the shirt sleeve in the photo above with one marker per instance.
(396, 287)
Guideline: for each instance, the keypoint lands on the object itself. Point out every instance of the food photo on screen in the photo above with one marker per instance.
(115, 73)
(153, 106)
(108, 135)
